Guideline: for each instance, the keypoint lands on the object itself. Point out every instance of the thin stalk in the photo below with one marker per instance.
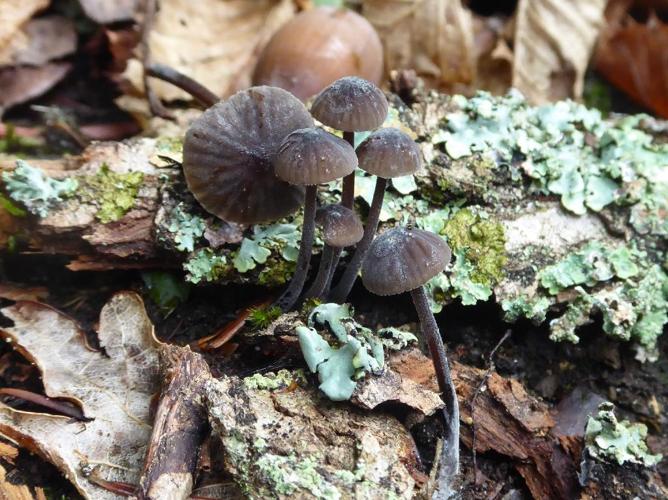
(195, 89)
(432, 335)
(294, 290)
(322, 279)
(347, 200)
(342, 289)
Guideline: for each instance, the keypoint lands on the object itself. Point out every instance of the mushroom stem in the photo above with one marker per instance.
(431, 333)
(195, 89)
(348, 190)
(342, 289)
(291, 294)
(322, 279)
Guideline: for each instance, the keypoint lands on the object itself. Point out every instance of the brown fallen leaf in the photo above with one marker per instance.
(19, 84)
(105, 12)
(14, 292)
(40, 41)
(433, 37)
(553, 43)
(11, 491)
(633, 56)
(216, 43)
(114, 390)
(14, 14)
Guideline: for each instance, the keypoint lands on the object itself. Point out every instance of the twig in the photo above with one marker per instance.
(483, 381)
(67, 409)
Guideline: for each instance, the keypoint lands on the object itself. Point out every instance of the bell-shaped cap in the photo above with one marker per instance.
(403, 259)
(228, 155)
(388, 153)
(351, 104)
(341, 227)
(312, 156)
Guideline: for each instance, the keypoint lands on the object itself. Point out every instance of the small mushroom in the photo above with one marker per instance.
(386, 153)
(341, 227)
(350, 104)
(403, 260)
(228, 153)
(308, 157)
(318, 46)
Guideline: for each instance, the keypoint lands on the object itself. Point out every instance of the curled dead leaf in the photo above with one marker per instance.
(553, 43)
(21, 83)
(113, 390)
(39, 41)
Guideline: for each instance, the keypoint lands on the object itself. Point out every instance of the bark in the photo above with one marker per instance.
(179, 428)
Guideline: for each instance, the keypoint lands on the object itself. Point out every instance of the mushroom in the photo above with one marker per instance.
(318, 46)
(308, 157)
(228, 153)
(403, 260)
(350, 104)
(386, 153)
(341, 227)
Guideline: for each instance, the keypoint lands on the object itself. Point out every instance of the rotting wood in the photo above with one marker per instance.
(179, 427)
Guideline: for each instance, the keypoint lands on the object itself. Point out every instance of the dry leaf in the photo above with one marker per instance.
(14, 292)
(39, 41)
(21, 83)
(113, 390)
(634, 58)
(105, 11)
(553, 42)
(14, 13)
(433, 37)
(212, 41)
(10, 491)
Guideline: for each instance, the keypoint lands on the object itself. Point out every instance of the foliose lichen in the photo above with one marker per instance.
(114, 193)
(608, 439)
(282, 238)
(34, 190)
(186, 228)
(205, 265)
(274, 381)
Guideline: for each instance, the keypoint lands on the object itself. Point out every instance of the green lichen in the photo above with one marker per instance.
(35, 191)
(186, 228)
(280, 238)
(287, 474)
(567, 150)
(608, 439)
(205, 265)
(262, 316)
(273, 381)
(534, 309)
(483, 241)
(396, 339)
(588, 266)
(461, 282)
(114, 193)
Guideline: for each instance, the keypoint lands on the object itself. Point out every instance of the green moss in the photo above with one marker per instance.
(205, 265)
(276, 272)
(112, 192)
(607, 438)
(462, 283)
(483, 241)
(263, 316)
(35, 191)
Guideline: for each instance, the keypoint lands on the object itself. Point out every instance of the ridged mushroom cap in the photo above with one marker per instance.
(312, 156)
(351, 104)
(341, 227)
(228, 155)
(388, 153)
(317, 47)
(403, 259)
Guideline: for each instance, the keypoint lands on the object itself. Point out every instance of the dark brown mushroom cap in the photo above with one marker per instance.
(229, 150)
(341, 227)
(388, 153)
(351, 104)
(312, 156)
(403, 259)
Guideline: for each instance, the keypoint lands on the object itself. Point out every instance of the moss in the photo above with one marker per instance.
(607, 438)
(112, 192)
(262, 316)
(276, 272)
(34, 190)
(483, 241)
